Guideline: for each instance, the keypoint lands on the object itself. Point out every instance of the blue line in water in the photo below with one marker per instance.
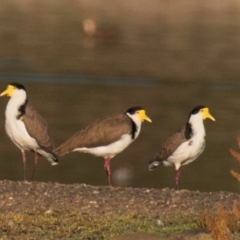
(110, 81)
(79, 79)
(228, 85)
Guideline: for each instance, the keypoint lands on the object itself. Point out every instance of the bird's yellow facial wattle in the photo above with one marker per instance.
(142, 116)
(206, 114)
(8, 91)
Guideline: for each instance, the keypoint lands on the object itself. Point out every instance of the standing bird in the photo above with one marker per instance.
(26, 128)
(107, 136)
(184, 146)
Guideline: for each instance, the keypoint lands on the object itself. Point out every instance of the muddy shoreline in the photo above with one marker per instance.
(18, 197)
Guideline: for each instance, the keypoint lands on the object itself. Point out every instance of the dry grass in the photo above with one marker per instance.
(222, 224)
(236, 155)
(217, 224)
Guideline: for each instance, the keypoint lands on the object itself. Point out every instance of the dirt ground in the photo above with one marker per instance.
(30, 197)
(19, 197)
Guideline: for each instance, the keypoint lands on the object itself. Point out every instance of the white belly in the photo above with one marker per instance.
(187, 152)
(110, 150)
(18, 134)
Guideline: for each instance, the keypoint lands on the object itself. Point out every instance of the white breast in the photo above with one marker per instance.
(191, 149)
(16, 130)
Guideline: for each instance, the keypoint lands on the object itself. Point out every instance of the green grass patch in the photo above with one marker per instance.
(77, 225)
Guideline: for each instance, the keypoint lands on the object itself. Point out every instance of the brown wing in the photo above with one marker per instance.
(170, 145)
(37, 128)
(101, 133)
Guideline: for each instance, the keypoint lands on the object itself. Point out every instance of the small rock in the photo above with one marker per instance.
(160, 223)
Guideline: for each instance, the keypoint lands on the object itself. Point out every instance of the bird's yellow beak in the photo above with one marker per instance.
(8, 91)
(206, 114)
(142, 115)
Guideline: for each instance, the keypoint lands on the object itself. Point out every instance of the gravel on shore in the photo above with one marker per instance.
(18, 197)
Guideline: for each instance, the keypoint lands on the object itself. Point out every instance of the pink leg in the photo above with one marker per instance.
(177, 177)
(108, 170)
(35, 164)
(24, 159)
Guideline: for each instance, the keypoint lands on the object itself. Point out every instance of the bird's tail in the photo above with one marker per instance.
(153, 164)
(52, 158)
(49, 155)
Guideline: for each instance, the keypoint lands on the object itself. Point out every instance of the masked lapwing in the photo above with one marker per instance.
(107, 136)
(184, 146)
(26, 128)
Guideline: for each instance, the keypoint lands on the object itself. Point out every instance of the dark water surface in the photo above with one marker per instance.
(69, 107)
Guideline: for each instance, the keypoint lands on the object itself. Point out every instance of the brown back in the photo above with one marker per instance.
(37, 128)
(170, 145)
(100, 133)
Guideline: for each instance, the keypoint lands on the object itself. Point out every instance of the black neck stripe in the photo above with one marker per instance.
(22, 109)
(134, 129)
(188, 131)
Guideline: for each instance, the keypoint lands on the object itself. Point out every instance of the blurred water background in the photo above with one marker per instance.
(81, 60)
